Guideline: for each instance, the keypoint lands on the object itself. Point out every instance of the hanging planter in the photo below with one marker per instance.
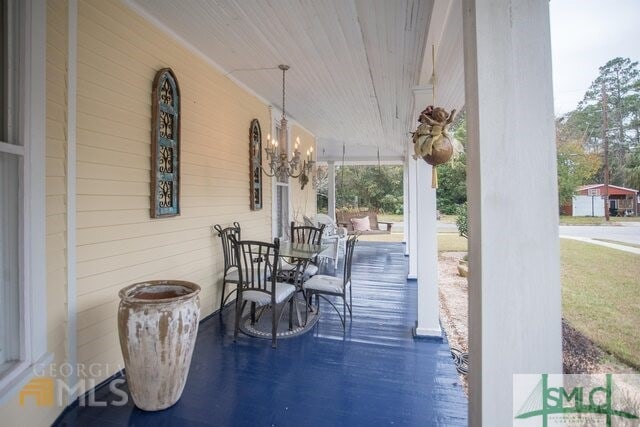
(158, 324)
(431, 141)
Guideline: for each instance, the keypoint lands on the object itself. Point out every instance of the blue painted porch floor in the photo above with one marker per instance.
(375, 374)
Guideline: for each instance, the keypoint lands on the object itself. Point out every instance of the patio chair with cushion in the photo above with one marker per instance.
(230, 274)
(304, 234)
(334, 236)
(258, 271)
(323, 286)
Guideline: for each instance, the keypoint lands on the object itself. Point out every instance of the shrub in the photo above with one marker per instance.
(462, 220)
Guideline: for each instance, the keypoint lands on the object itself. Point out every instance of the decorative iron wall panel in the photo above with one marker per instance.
(165, 145)
(255, 160)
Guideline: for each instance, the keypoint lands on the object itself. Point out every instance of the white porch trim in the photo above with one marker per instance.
(72, 312)
(514, 279)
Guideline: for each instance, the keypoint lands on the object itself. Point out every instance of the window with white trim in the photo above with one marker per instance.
(282, 193)
(23, 312)
(11, 172)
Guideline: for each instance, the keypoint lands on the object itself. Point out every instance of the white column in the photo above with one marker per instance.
(413, 223)
(425, 234)
(331, 190)
(428, 323)
(405, 206)
(514, 279)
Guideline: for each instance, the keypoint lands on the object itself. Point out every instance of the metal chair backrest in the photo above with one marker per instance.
(257, 265)
(348, 256)
(228, 251)
(306, 234)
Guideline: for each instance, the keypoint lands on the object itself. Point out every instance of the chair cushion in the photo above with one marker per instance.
(361, 224)
(232, 276)
(324, 283)
(283, 290)
(287, 266)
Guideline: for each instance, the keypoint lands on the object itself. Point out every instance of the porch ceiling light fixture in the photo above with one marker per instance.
(277, 158)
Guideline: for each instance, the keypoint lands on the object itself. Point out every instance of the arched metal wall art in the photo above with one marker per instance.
(165, 145)
(255, 162)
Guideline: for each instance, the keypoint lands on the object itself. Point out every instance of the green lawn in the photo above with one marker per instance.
(448, 218)
(451, 242)
(617, 242)
(390, 217)
(600, 293)
(601, 297)
(591, 220)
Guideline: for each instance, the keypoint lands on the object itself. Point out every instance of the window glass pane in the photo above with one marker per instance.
(8, 71)
(3, 73)
(282, 199)
(9, 259)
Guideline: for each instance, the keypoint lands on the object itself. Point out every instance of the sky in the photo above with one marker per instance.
(585, 34)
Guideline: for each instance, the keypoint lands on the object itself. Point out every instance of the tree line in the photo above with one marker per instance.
(375, 187)
(580, 133)
(579, 141)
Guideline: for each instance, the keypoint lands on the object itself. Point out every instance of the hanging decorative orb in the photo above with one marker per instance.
(441, 152)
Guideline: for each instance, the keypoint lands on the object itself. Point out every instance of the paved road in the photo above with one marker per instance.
(626, 233)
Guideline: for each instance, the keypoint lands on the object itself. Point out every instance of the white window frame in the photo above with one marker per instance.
(275, 124)
(30, 101)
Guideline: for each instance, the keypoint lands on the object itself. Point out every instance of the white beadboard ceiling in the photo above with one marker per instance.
(353, 62)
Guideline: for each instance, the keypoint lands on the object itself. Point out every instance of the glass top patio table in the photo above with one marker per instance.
(300, 250)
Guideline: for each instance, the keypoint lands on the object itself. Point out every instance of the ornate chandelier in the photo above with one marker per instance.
(277, 158)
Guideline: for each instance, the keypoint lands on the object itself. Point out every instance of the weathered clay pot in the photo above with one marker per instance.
(158, 324)
(441, 152)
(463, 268)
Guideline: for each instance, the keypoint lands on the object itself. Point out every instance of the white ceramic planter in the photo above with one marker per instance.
(158, 324)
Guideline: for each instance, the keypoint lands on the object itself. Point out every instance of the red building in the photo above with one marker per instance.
(622, 201)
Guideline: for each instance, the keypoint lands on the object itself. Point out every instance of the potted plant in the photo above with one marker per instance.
(157, 325)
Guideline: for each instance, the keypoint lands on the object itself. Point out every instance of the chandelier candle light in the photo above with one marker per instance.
(279, 163)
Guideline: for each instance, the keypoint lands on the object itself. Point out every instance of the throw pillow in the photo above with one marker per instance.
(361, 224)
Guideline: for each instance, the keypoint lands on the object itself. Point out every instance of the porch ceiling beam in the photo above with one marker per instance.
(514, 278)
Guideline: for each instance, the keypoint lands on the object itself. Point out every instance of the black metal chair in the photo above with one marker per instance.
(258, 273)
(309, 235)
(230, 260)
(323, 286)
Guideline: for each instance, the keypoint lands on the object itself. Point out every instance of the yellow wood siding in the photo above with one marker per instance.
(117, 243)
